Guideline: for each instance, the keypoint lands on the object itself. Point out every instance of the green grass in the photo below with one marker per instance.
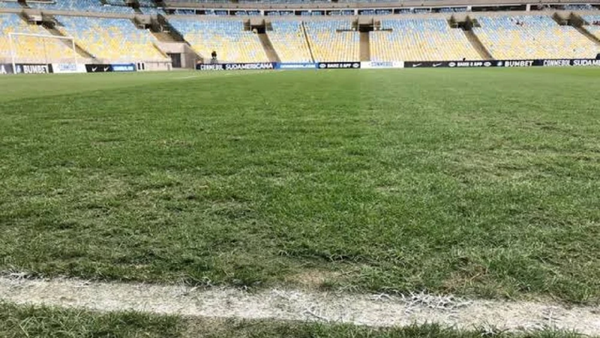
(476, 182)
(267, 329)
(27, 321)
(33, 322)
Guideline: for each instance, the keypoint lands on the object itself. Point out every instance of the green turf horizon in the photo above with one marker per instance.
(477, 182)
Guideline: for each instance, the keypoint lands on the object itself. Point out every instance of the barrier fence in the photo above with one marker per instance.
(505, 63)
(404, 64)
(58, 68)
(31, 68)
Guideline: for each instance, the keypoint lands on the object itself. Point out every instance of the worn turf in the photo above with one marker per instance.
(269, 329)
(44, 322)
(27, 321)
(476, 182)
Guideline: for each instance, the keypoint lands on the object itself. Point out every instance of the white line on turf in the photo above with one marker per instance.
(238, 73)
(187, 77)
(371, 310)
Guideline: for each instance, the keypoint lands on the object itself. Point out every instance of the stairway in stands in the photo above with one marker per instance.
(577, 22)
(268, 46)
(474, 40)
(479, 47)
(305, 35)
(365, 46)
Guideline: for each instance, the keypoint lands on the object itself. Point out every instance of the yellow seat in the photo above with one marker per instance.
(30, 49)
(420, 40)
(114, 40)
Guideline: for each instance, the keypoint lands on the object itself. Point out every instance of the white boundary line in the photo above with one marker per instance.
(209, 74)
(378, 310)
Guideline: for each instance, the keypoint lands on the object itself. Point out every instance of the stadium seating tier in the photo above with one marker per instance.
(82, 6)
(333, 40)
(115, 40)
(289, 41)
(532, 37)
(31, 49)
(230, 39)
(420, 40)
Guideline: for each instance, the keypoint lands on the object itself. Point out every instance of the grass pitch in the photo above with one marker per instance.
(43, 322)
(476, 182)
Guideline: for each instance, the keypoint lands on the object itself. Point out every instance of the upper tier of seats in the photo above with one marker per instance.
(579, 7)
(114, 40)
(532, 37)
(420, 40)
(10, 4)
(401, 38)
(591, 20)
(176, 2)
(229, 38)
(369, 1)
(289, 41)
(149, 7)
(82, 6)
(183, 2)
(284, 1)
(30, 49)
(593, 24)
(333, 40)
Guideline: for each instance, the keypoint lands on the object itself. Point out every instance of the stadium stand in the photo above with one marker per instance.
(81, 6)
(10, 4)
(593, 25)
(228, 37)
(114, 40)
(30, 49)
(116, 2)
(333, 40)
(369, 1)
(152, 10)
(532, 37)
(180, 11)
(104, 31)
(149, 7)
(283, 1)
(420, 40)
(579, 7)
(289, 41)
(175, 2)
(147, 3)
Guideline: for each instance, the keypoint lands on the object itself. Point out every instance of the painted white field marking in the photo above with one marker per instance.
(187, 77)
(210, 75)
(372, 310)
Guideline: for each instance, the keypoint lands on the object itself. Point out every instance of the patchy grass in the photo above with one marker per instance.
(270, 329)
(33, 322)
(475, 182)
(26, 321)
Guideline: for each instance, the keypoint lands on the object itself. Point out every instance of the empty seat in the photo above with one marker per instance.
(593, 24)
(333, 40)
(532, 37)
(289, 41)
(114, 40)
(227, 37)
(31, 49)
(83, 6)
(420, 40)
